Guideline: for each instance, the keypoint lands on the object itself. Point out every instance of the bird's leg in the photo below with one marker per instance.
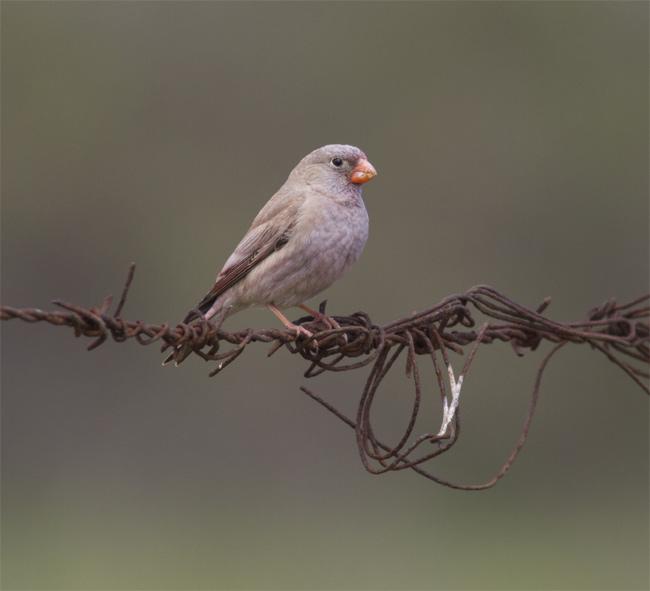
(324, 318)
(299, 330)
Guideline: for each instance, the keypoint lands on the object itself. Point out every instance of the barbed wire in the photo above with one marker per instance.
(621, 332)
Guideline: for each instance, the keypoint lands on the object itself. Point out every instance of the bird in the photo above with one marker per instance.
(304, 239)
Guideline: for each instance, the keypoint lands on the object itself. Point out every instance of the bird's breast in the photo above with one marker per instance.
(327, 241)
(334, 232)
(328, 237)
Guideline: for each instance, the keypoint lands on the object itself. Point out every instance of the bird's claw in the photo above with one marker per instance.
(329, 323)
(301, 331)
(334, 325)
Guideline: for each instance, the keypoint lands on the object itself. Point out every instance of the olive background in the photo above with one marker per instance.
(511, 141)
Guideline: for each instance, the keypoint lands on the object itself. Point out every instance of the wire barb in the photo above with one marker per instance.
(620, 332)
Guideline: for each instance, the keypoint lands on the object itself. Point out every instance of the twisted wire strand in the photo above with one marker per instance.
(620, 332)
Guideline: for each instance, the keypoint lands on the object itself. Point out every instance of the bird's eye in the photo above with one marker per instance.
(338, 162)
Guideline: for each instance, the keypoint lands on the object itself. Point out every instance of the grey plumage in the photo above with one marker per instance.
(304, 238)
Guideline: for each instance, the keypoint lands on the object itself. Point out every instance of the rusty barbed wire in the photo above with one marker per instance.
(621, 332)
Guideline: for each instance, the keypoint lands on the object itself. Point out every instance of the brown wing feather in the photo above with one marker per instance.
(235, 273)
(269, 232)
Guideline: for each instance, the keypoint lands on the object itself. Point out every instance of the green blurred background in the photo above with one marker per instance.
(511, 141)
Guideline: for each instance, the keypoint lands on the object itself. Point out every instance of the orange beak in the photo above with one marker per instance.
(362, 172)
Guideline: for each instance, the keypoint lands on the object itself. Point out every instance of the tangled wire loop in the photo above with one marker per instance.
(620, 332)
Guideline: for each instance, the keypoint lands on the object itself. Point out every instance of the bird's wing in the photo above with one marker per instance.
(269, 232)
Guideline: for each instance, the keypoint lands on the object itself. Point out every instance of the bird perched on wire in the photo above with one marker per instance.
(305, 237)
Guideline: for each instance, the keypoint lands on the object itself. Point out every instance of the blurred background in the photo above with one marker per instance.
(511, 142)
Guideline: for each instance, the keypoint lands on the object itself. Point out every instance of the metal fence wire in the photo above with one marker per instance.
(620, 332)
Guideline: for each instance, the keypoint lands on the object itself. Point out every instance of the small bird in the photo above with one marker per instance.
(305, 237)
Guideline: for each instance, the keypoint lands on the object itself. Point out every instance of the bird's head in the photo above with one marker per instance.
(336, 167)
